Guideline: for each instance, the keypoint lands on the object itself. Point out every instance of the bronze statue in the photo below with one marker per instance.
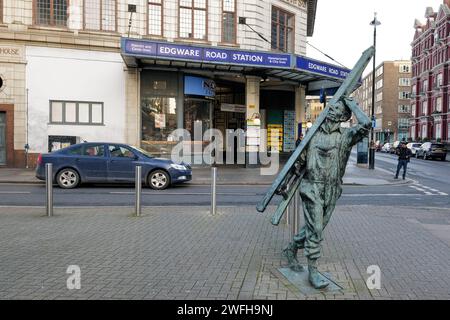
(316, 169)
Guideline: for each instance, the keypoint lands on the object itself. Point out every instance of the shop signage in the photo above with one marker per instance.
(322, 68)
(11, 52)
(199, 86)
(227, 107)
(297, 3)
(205, 54)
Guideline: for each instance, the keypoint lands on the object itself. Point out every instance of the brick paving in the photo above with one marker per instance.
(184, 253)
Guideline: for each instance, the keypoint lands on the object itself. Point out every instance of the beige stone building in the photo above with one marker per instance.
(392, 100)
(133, 71)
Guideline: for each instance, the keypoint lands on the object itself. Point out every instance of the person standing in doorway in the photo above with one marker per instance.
(404, 154)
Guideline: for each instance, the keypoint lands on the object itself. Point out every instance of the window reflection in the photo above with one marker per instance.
(159, 120)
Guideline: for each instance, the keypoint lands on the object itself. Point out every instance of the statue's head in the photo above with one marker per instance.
(339, 112)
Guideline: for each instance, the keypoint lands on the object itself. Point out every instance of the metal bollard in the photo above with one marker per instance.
(288, 214)
(138, 190)
(213, 190)
(296, 214)
(49, 188)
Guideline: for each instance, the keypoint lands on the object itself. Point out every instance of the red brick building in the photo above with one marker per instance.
(430, 69)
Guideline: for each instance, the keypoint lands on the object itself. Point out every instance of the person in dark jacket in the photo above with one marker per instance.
(404, 154)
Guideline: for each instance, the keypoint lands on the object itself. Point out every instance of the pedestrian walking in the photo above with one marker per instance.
(404, 154)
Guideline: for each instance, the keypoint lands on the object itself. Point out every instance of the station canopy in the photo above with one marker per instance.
(316, 75)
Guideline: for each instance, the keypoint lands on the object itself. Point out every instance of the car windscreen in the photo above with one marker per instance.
(437, 145)
(144, 152)
(416, 145)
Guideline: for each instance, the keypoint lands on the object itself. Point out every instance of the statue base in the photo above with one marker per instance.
(300, 281)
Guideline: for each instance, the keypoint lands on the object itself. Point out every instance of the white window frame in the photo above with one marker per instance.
(77, 115)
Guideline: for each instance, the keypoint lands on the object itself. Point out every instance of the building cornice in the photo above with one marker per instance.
(312, 8)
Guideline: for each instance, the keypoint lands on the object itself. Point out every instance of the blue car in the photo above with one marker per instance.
(110, 163)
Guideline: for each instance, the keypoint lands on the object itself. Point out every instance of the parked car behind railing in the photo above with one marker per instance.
(431, 150)
(386, 147)
(414, 146)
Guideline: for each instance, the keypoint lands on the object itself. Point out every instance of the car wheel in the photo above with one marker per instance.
(68, 178)
(159, 180)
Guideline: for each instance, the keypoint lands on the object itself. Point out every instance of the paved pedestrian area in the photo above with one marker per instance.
(184, 253)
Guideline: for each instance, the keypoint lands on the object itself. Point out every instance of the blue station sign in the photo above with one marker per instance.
(321, 68)
(204, 54)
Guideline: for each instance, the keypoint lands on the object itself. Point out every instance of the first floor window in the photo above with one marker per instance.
(229, 21)
(155, 17)
(100, 15)
(282, 30)
(192, 19)
(438, 131)
(51, 12)
(1, 10)
(424, 131)
(76, 113)
(403, 123)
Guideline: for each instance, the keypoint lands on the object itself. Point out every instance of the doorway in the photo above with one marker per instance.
(2, 138)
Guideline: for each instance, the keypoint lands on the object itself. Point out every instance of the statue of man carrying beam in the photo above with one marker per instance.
(324, 160)
(315, 170)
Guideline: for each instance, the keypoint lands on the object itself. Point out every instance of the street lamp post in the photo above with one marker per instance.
(374, 23)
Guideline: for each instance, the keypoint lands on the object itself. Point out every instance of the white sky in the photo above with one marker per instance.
(343, 32)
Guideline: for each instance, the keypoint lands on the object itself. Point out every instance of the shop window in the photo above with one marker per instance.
(76, 113)
(100, 15)
(282, 30)
(155, 11)
(51, 12)
(229, 21)
(192, 19)
(159, 120)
